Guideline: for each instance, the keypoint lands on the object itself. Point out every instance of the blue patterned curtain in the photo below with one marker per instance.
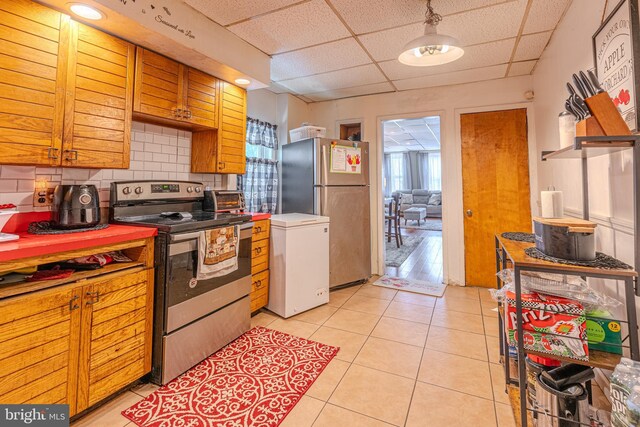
(260, 181)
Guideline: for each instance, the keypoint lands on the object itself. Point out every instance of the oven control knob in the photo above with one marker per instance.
(126, 190)
(198, 189)
(138, 190)
(189, 189)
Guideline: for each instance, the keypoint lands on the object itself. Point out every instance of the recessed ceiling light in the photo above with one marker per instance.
(243, 81)
(86, 11)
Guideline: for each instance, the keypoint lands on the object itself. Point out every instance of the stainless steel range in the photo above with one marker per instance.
(192, 318)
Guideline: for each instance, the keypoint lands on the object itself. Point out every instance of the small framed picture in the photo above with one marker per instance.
(616, 52)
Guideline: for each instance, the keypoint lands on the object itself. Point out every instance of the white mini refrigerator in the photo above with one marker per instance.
(299, 263)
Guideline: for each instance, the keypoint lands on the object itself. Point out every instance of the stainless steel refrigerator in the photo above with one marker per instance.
(329, 177)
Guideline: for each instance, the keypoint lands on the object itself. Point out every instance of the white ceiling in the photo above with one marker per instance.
(412, 134)
(328, 49)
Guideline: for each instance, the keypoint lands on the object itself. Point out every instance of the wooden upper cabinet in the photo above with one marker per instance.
(171, 93)
(200, 98)
(33, 56)
(99, 100)
(233, 130)
(158, 86)
(223, 150)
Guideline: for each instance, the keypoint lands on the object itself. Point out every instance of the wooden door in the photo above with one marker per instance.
(99, 100)
(495, 179)
(33, 55)
(200, 98)
(38, 347)
(115, 347)
(159, 86)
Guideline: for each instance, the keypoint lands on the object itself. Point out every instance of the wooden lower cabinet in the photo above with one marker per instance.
(260, 264)
(115, 344)
(80, 342)
(39, 336)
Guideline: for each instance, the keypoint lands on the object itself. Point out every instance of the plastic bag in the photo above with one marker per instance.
(561, 285)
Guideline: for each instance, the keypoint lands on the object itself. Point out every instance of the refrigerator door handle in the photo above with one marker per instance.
(323, 169)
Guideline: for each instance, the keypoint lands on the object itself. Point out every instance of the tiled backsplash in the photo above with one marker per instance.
(156, 153)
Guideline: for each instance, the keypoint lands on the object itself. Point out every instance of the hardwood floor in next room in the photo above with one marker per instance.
(425, 262)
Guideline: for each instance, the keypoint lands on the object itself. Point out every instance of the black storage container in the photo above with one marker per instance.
(565, 238)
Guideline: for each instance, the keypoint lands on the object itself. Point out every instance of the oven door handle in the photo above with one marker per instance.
(246, 230)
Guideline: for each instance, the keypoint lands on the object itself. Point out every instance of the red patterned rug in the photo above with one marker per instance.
(254, 381)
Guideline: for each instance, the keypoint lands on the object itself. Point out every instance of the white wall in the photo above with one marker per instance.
(610, 177)
(448, 102)
(156, 153)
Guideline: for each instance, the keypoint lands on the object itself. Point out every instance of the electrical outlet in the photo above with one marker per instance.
(43, 198)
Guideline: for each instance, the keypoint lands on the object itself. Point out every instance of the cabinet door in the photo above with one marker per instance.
(99, 100)
(33, 55)
(232, 131)
(115, 347)
(200, 98)
(38, 347)
(158, 86)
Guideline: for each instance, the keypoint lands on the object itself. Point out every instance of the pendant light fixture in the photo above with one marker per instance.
(431, 48)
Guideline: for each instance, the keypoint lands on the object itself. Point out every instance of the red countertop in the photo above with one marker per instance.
(257, 216)
(30, 245)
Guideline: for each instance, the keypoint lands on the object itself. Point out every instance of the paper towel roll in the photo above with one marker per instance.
(551, 202)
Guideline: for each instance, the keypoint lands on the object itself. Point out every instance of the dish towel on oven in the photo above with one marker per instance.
(218, 252)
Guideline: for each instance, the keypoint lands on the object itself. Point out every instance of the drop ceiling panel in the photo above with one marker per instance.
(292, 28)
(318, 59)
(545, 14)
(351, 91)
(521, 68)
(484, 25)
(482, 55)
(457, 77)
(351, 77)
(531, 46)
(225, 12)
(366, 16)
(386, 45)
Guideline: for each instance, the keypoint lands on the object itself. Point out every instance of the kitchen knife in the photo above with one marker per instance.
(580, 86)
(587, 84)
(594, 81)
(579, 106)
(569, 108)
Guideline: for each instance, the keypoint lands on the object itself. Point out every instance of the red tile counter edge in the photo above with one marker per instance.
(30, 245)
(259, 216)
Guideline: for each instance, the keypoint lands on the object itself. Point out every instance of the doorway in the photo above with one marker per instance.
(496, 187)
(412, 195)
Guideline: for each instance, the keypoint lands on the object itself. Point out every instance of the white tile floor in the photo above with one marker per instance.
(404, 359)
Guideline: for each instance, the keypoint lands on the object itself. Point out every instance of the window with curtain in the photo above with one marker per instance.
(260, 181)
(397, 175)
(430, 171)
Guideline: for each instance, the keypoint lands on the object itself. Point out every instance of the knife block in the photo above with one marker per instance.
(605, 112)
(589, 127)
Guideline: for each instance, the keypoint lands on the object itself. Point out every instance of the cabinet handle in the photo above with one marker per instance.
(177, 112)
(258, 250)
(72, 305)
(221, 164)
(188, 112)
(73, 153)
(52, 153)
(258, 229)
(95, 297)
